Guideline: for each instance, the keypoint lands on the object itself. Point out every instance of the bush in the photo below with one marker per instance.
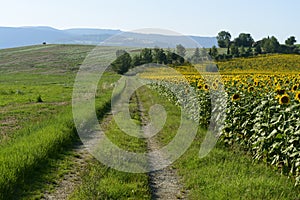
(39, 99)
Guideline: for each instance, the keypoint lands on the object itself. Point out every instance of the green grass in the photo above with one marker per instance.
(47, 59)
(228, 173)
(34, 134)
(48, 174)
(23, 154)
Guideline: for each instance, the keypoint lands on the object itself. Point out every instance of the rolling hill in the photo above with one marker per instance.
(24, 36)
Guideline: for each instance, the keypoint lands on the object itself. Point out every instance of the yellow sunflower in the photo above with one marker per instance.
(206, 87)
(215, 85)
(284, 99)
(250, 89)
(294, 88)
(235, 97)
(297, 96)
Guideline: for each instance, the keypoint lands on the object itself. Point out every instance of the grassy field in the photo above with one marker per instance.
(36, 116)
(37, 132)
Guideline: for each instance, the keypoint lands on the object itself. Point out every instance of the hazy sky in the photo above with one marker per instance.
(192, 17)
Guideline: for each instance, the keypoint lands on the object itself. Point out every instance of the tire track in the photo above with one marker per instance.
(164, 183)
(73, 179)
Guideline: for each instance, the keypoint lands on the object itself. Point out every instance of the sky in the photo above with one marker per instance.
(189, 17)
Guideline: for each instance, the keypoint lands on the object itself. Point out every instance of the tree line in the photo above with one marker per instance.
(242, 46)
(125, 61)
(245, 46)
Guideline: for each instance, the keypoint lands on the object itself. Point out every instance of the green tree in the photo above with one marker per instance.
(120, 52)
(169, 56)
(146, 56)
(203, 52)
(180, 50)
(136, 60)
(290, 41)
(196, 57)
(249, 51)
(213, 52)
(234, 50)
(270, 45)
(224, 40)
(257, 49)
(159, 56)
(122, 64)
(242, 51)
(244, 39)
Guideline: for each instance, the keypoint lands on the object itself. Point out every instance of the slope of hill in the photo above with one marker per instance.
(43, 58)
(24, 36)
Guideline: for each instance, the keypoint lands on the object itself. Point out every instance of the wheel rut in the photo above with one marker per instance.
(164, 183)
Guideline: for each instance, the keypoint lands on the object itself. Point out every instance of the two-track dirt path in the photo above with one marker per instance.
(72, 179)
(164, 183)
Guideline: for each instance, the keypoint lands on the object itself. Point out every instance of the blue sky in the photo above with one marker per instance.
(192, 17)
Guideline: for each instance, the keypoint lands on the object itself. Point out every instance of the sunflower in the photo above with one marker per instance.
(235, 97)
(287, 82)
(250, 89)
(297, 96)
(215, 85)
(206, 87)
(284, 99)
(199, 87)
(294, 88)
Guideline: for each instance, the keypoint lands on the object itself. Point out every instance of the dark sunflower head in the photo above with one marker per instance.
(297, 96)
(294, 88)
(284, 99)
(235, 97)
(250, 89)
(206, 87)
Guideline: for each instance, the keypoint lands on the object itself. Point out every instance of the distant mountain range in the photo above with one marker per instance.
(24, 36)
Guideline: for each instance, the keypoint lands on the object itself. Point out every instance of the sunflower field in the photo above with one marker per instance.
(262, 111)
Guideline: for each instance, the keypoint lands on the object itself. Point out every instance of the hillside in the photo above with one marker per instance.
(43, 58)
(24, 36)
